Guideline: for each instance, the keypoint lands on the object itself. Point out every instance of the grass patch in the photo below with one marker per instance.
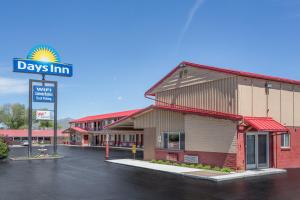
(196, 166)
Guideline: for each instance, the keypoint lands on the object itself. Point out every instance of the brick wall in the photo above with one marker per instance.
(287, 158)
(208, 158)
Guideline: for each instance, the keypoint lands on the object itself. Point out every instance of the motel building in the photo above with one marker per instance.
(220, 117)
(89, 131)
(19, 136)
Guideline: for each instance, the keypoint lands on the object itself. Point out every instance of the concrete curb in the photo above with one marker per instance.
(217, 178)
(33, 158)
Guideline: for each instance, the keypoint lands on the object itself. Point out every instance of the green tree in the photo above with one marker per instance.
(3, 149)
(46, 124)
(14, 116)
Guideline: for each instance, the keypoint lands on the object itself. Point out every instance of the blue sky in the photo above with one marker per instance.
(121, 48)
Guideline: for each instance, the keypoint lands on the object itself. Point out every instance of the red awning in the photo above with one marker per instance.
(265, 124)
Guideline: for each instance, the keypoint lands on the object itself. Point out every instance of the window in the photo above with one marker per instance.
(285, 140)
(111, 138)
(174, 141)
(131, 138)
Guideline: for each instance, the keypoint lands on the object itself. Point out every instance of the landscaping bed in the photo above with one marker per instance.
(195, 166)
(37, 157)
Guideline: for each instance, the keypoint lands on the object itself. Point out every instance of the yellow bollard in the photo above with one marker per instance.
(134, 150)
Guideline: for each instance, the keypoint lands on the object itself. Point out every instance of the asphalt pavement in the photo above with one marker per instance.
(83, 174)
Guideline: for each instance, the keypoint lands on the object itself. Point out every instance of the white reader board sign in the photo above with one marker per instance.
(191, 159)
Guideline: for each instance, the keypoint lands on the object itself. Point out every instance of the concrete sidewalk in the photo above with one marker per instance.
(211, 175)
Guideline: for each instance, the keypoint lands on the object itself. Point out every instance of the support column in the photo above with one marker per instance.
(241, 151)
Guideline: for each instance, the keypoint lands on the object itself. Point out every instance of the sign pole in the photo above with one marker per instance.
(55, 119)
(107, 147)
(43, 79)
(30, 120)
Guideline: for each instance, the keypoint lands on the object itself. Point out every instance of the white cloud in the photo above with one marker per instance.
(190, 17)
(120, 98)
(13, 86)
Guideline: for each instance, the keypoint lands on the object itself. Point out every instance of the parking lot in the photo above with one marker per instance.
(84, 174)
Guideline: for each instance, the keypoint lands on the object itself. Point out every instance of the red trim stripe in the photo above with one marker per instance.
(176, 108)
(105, 116)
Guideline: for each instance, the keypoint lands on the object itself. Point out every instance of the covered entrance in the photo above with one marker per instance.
(257, 150)
(258, 141)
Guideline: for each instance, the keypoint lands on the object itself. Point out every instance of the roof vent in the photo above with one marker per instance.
(182, 65)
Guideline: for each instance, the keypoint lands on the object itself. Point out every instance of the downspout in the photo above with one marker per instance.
(276, 150)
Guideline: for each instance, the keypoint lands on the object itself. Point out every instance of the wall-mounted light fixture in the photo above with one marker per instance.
(268, 86)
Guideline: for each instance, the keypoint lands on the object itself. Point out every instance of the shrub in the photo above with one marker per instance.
(3, 149)
(216, 168)
(160, 162)
(167, 162)
(199, 166)
(184, 165)
(193, 165)
(226, 169)
(206, 167)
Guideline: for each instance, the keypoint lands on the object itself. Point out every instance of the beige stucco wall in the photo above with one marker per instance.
(209, 134)
(259, 98)
(274, 101)
(147, 120)
(218, 95)
(282, 103)
(162, 120)
(201, 133)
(287, 105)
(194, 76)
(297, 105)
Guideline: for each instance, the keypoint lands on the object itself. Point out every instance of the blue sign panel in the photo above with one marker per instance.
(43, 94)
(40, 67)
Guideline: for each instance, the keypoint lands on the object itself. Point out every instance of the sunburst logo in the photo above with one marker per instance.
(43, 53)
(43, 59)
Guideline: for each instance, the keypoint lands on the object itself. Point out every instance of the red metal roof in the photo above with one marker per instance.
(258, 123)
(265, 124)
(201, 112)
(124, 118)
(78, 129)
(105, 116)
(223, 70)
(176, 108)
(24, 133)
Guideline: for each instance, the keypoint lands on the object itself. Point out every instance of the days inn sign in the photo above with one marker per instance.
(44, 60)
